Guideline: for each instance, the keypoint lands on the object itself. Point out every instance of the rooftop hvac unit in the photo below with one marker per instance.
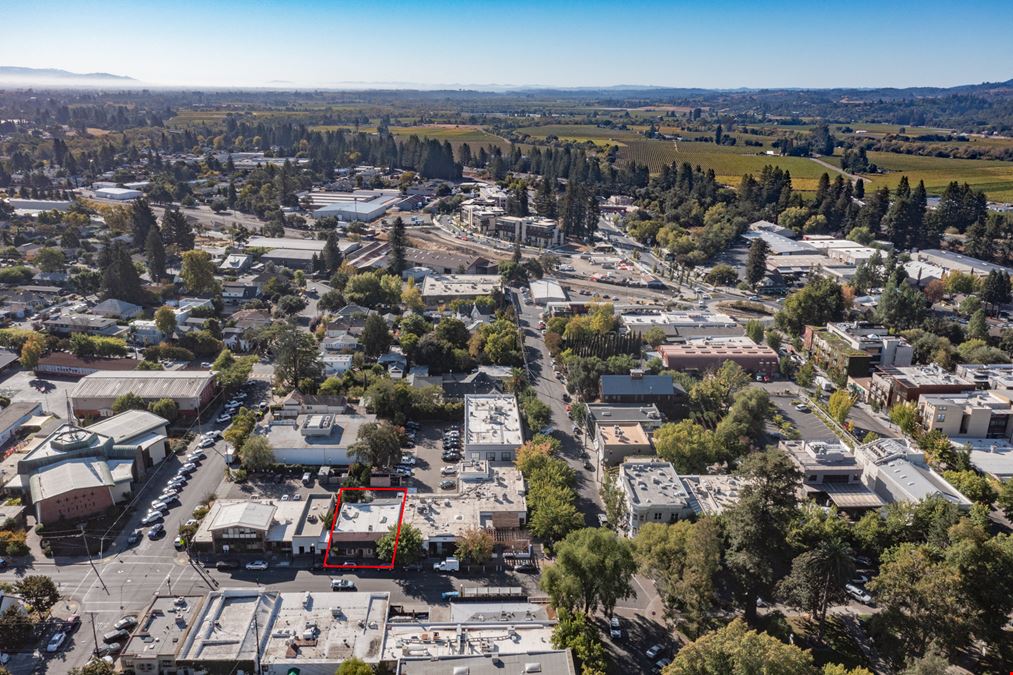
(533, 667)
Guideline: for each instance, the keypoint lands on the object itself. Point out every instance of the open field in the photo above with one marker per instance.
(995, 178)
(728, 162)
(475, 136)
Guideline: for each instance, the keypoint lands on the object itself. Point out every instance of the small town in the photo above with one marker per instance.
(334, 377)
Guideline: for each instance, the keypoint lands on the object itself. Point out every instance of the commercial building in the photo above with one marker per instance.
(831, 474)
(990, 456)
(318, 439)
(557, 662)
(14, 416)
(117, 309)
(449, 262)
(647, 416)
(488, 497)
(76, 473)
(714, 494)
(499, 632)
(641, 389)
(778, 245)
(492, 427)
(64, 364)
(616, 441)
(276, 633)
(996, 376)
(547, 290)
(361, 205)
(162, 626)
(527, 230)
(707, 354)
(957, 262)
(68, 324)
(971, 414)
(681, 324)
(273, 526)
(191, 390)
(360, 525)
(118, 193)
(440, 288)
(896, 470)
(851, 349)
(892, 384)
(654, 493)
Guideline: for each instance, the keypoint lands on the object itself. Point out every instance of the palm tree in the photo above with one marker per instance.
(817, 580)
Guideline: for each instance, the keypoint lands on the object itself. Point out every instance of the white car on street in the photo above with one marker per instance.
(257, 565)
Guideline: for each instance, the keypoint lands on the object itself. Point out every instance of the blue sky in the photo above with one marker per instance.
(705, 43)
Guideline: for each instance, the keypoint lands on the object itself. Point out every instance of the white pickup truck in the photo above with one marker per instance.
(448, 565)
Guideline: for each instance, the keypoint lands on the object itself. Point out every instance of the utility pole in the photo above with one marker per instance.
(94, 634)
(91, 562)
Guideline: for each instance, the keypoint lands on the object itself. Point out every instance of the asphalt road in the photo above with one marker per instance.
(550, 391)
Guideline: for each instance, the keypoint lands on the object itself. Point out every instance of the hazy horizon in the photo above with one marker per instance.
(724, 44)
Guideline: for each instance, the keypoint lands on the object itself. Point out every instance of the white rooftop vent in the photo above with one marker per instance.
(533, 667)
(462, 670)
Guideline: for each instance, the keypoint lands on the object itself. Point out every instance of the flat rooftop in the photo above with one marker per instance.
(463, 285)
(922, 376)
(291, 243)
(558, 662)
(344, 430)
(476, 504)
(293, 628)
(418, 640)
(377, 516)
(653, 483)
(713, 494)
(820, 455)
(492, 420)
(348, 624)
(679, 320)
(162, 626)
(623, 434)
(991, 456)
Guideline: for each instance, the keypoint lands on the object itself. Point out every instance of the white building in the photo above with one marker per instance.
(654, 493)
(316, 440)
(896, 470)
(361, 205)
(492, 427)
(118, 193)
(547, 290)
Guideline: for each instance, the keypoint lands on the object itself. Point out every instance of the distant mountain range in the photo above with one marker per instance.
(49, 76)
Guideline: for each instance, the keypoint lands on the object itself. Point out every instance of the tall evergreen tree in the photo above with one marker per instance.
(154, 253)
(756, 262)
(142, 219)
(545, 200)
(331, 255)
(119, 277)
(398, 243)
(176, 230)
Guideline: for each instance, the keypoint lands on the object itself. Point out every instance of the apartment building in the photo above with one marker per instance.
(974, 414)
(853, 348)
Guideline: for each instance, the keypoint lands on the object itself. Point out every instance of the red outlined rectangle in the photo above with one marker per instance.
(337, 510)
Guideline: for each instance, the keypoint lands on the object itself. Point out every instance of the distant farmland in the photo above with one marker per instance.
(457, 134)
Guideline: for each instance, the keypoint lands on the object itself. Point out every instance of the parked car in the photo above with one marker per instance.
(448, 470)
(160, 506)
(118, 635)
(858, 594)
(109, 650)
(257, 565)
(56, 642)
(227, 564)
(189, 467)
(615, 628)
(70, 625)
(342, 585)
(135, 537)
(224, 418)
(126, 623)
(207, 443)
(653, 651)
(448, 484)
(152, 518)
(661, 664)
(156, 531)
